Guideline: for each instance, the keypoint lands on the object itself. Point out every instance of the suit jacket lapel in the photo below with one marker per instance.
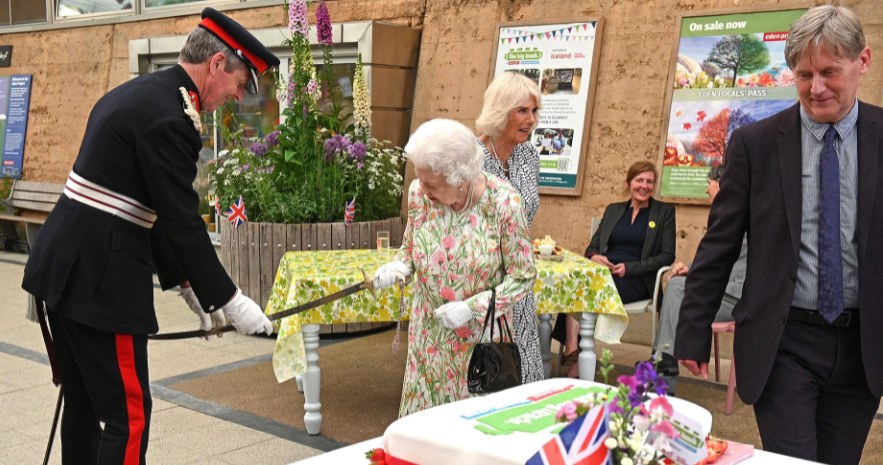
(789, 147)
(868, 154)
(616, 212)
(652, 219)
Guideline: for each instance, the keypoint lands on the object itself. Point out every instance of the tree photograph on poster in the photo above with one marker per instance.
(562, 58)
(728, 71)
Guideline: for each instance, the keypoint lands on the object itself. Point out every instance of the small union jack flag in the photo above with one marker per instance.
(349, 213)
(579, 443)
(236, 213)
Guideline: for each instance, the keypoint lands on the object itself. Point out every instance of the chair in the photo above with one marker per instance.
(717, 328)
(649, 305)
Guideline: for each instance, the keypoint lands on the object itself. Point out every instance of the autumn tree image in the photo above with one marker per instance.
(739, 54)
(712, 138)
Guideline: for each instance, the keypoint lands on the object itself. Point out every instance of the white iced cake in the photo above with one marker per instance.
(503, 428)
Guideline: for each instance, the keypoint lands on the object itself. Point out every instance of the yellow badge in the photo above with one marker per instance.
(652, 224)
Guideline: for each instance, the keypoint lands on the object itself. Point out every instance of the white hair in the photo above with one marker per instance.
(448, 148)
(505, 93)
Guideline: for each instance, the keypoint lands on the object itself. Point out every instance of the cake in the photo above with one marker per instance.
(503, 428)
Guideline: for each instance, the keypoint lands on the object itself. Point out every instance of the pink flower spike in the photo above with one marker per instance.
(323, 24)
(665, 428)
(662, 403)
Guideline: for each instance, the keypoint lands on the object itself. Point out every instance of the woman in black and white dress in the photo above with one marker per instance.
(506, 122)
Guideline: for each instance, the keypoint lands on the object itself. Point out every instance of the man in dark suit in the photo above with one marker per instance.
(129, 209)
(803, 185)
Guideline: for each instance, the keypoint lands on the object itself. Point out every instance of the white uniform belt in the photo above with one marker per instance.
(87, 192)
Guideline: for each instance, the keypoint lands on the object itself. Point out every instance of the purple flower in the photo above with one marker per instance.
(360, 165)
(272, 139)
(644, 372)
(323, 24)
(312, 86)
(332, 146)
(259, 149)
(292, 89)
(357, 150)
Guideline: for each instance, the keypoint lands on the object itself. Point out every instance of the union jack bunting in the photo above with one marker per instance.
(349, 213)
(579, 443)
(236, 213)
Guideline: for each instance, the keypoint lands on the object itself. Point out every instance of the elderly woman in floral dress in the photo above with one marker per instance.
(507, 119)
(466, 234)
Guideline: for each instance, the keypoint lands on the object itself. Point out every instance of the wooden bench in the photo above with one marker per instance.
(25, 197)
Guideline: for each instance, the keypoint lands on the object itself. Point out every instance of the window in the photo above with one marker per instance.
(16, 12)
(153, 3)
(74, 8)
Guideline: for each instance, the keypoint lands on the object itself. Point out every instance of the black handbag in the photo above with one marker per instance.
(494, 366)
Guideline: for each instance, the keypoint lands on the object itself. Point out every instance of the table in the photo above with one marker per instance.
(355, 454)
(572, 285)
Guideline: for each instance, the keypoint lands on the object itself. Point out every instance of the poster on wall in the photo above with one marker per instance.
(562, 57)
(15, 96)
(727, 71)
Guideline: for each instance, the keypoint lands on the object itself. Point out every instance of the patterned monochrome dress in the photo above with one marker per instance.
(524, 172)
(458, 256)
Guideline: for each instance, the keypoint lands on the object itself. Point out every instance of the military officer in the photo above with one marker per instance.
(129, 210)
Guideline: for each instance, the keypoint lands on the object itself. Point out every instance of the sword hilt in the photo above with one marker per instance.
(369, 283)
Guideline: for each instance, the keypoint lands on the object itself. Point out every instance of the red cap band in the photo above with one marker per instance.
(259, 64)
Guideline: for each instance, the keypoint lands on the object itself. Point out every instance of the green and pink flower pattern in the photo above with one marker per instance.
(459, 256)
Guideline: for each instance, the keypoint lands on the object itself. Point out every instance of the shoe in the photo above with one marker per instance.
(567, 361)
(667, 366)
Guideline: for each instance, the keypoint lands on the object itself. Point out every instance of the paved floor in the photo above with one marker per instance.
(185, 430)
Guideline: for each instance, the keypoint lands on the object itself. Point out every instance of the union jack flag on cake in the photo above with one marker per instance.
(579, 443)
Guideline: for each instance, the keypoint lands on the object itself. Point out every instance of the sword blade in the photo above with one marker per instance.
(366, 284)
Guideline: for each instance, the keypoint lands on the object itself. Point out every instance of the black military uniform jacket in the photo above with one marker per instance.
(96, 268)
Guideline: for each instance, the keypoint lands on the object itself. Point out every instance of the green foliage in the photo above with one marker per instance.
(307, 169)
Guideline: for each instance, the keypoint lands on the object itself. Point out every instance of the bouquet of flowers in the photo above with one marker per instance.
(639, 428)
(318, 159)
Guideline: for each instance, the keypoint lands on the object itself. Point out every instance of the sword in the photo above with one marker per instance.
(366, 284)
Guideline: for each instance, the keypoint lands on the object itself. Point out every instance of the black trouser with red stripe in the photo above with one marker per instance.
(105, 382)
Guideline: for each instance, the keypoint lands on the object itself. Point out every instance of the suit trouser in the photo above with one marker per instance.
(816, 404)
(105, 381)
(670, 312)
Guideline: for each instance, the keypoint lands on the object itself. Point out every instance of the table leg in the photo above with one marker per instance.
(311, 380)
(587, 357)
(545, 329)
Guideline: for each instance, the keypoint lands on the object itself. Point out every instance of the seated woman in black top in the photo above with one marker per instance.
(634, 240)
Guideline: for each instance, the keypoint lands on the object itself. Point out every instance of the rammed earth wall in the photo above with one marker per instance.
(73, 67)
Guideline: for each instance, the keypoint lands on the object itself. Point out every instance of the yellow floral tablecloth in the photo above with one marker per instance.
(571, 285)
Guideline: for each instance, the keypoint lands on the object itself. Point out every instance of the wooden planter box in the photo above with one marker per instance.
(251, 252)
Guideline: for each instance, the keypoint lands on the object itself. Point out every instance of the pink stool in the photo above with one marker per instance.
(724, 327)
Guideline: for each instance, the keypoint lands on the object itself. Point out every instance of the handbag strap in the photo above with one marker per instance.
(490, 316)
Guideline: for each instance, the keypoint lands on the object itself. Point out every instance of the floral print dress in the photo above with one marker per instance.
(524, 175)
(459, 256)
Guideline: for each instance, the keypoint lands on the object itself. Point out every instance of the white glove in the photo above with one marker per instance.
(246, 316)
(207, 321)
(453, 315)
(390, 273)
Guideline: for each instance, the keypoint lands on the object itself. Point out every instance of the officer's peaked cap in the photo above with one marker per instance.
(245, 45)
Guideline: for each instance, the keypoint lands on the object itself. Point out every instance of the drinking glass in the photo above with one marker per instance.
(382, 241)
